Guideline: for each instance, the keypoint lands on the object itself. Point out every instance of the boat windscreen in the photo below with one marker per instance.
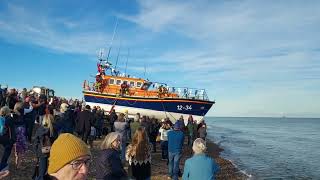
(146, 85)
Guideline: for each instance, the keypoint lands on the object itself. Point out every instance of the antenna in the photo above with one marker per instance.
(145, 70)
(101, 54)
(115, 67)
(125, 71)
(114, 32)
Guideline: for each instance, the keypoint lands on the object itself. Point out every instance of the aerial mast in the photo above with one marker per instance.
(114, 32)
(125, 71)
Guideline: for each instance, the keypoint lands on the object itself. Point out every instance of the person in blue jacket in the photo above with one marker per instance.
(200, 166)
(175, 144)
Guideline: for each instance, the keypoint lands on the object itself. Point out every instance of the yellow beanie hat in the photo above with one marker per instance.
(65, 149)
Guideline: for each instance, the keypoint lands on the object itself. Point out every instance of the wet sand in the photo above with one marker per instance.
(159, 167)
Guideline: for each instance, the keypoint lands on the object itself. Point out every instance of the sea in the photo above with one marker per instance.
(269, 148)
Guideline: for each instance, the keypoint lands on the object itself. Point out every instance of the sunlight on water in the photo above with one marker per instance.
(270, 148)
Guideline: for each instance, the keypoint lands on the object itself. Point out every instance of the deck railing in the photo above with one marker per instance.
(182, 92)
(189, 93)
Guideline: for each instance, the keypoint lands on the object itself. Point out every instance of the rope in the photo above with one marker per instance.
(164, 109)
(112, 107)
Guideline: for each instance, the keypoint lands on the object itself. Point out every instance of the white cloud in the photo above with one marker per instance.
(22, 25)
(268, 46)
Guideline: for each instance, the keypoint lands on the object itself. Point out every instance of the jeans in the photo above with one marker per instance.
(174, 161)
(29, 127)
(43, 166)
(154, 146)
(123, 151)
(7, 151)
(164, 149)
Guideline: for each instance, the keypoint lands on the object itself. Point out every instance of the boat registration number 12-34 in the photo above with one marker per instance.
(186, 107)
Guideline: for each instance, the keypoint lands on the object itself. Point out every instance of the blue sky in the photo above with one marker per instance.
(255, 58)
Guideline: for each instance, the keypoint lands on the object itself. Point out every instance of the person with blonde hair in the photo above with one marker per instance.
(139, 155)
(200, 166)
(48, 121)
(109, 164)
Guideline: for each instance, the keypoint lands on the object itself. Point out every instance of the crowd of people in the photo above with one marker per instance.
(62, 132)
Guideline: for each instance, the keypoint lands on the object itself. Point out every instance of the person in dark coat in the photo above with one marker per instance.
(66, 119)
(113, 118)
(99, 123)
(84, 122)
(29, 119)
(11, 99)
(109, 162)
(154, 131)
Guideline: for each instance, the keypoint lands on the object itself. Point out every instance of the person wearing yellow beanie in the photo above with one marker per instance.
(69, 158)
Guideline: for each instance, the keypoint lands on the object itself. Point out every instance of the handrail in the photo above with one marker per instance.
(189, 93)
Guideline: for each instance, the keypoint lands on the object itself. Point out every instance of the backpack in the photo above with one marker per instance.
(2, 126)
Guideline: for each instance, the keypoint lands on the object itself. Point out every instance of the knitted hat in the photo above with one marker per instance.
(64, 150)
(177, 125)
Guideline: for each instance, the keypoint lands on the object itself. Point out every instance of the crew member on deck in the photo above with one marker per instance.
(162, 91)
(98, 82)
(124, 89)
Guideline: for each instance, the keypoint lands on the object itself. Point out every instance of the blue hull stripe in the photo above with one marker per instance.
(194, 107)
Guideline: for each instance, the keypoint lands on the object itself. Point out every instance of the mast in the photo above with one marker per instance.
(115, 67)
(114, 32)
(125, 71)
(145, 70)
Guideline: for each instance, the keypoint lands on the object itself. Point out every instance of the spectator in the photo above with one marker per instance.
(11, 99)
(69, 159)
(175, 143)
(164, 140)
(29, 118)
(154, 131)
(199, 166)
(139, 156)
(65, 118)
(21, 140)
(48, 122)
(120, 126)
(7, 139)
(113, 118)
(109, 163)
(83, 123)
(134, 125)
(190, 130)
(42, 146)
(202, 131)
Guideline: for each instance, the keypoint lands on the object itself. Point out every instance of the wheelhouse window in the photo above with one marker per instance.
(118, 81)
(111, 81)
(139, 84)
(131, 83)
(126, 82)
(146, 85)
